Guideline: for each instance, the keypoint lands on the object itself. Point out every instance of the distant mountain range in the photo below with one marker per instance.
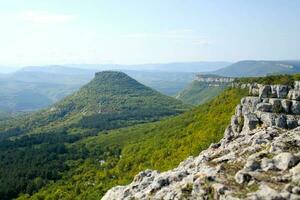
(33, 88)
(111, 100)
(36, 87)
(162, 67)
(259, 68)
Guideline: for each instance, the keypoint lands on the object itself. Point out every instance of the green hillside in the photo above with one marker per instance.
(93, 165)
(111, 100)
(254, 68)
(33, 148)
(200, 92)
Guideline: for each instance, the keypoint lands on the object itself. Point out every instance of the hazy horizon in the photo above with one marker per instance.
(132, 32)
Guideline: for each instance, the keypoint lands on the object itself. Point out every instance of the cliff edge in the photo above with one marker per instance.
(258, 157)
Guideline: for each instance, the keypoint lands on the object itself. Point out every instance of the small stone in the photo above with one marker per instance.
(296, 190)
(286, 160)
(242, 177)
(219, 188)
(252, 165)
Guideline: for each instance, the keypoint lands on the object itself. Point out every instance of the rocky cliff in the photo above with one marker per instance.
(213, 79)
(258, 158)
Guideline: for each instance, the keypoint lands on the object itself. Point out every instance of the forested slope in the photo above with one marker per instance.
(97, 163)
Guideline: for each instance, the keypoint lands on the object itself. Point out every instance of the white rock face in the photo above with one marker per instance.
(258, 158)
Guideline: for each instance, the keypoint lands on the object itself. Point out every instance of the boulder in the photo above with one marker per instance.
(273, 91)
(294, 95)
(235, 124)
(267, 164)
(276, 105)
(264, 91)
(268, 119)
(286, 105)
(250, 121)
(282, 91)
(295, 172)
(295, 108)
(253, 90)
(291, 122)
(281, 121)
(297, 85)
(264, 107)
(249, 104)
(285, 160)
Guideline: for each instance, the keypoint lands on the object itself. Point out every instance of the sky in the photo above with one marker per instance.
(35, 32)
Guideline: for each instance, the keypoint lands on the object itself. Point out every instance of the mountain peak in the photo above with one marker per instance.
(110, 73)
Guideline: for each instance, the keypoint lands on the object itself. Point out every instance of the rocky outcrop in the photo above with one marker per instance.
(213, 78)
(258, 157)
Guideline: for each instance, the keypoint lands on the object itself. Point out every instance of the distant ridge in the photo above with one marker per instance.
(253, 68)
(111, 100)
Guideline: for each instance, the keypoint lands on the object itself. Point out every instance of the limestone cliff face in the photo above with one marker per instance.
(258, 158)
(214, 79)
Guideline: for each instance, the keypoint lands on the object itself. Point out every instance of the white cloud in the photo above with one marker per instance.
(45, 17)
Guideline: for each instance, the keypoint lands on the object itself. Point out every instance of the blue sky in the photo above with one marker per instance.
(37, 32)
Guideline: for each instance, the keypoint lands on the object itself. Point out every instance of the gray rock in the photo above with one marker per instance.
(252, 165)
(267, 164)
(291, 123)
(295, 171)
(286, 160)
(286, 105)
(242, 177)
(253, 90)
(294, 95)
(273, 91)
(236, 124)
(282, 91)
(239, 111)
(219, 188)
(266, 193)
(297, 85)
(250, 122)
(264, 107)
(268, 119)
(249, 104)
(296, 190)
(264, 91)
(295, 108)
(281, 121)
(276, 105)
